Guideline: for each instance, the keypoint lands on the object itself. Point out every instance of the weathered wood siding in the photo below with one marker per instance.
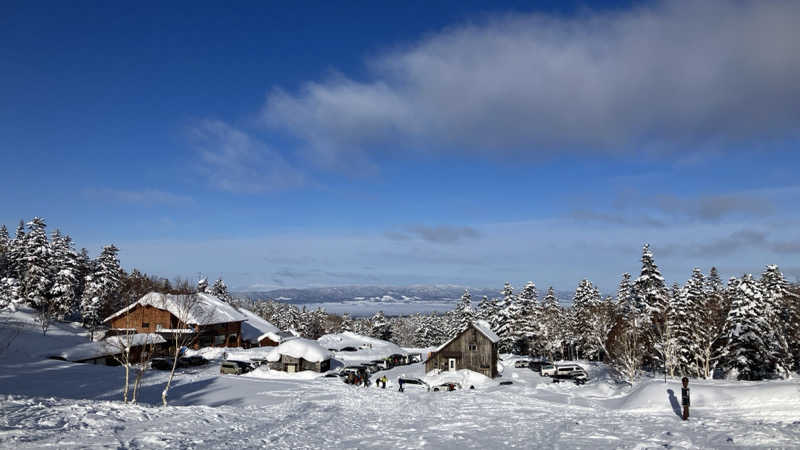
(267, 342)
(471, 350)
(146, 319)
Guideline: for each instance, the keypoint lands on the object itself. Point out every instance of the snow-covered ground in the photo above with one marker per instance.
(54, 403)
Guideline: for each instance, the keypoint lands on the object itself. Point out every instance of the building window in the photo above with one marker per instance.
(219, 340)
(145, 324)
(473, 347)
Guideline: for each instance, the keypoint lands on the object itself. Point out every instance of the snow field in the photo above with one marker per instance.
(65, 405)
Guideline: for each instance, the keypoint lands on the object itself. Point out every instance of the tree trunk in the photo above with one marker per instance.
(127, 378)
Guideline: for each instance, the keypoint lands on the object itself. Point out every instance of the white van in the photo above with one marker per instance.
(547, 370)
(570, 370)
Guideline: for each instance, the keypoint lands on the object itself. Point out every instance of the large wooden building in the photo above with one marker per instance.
(211, 321)
(475, 349)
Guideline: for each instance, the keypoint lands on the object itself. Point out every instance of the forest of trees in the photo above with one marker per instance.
(748, 328)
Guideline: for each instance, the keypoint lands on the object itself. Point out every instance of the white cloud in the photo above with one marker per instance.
(234, 161)
(667, 78)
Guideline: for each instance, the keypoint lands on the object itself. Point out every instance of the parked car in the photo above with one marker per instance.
(348, 349)
(195, 360)
(161, 363)
(166, 363)
(522, 364)
(334, 375)
(412, 383)
(447, 387)
(571, 372)
(372, 367)
(234, 367)
(536, 366)
(382, 364)
(547, 370)
(356, 370)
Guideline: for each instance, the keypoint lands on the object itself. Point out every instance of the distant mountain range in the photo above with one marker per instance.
(406, 294)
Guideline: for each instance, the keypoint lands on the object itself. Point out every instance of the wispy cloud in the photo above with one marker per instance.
(442, 234)
(234, 161)
(146, 197)
(666, 77)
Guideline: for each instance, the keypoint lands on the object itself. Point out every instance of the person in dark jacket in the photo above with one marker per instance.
(685, 398)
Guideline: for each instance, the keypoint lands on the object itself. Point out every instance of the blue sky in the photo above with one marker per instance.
(461, 142)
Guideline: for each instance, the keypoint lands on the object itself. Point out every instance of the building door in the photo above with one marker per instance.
(451, 364)
(291, 368)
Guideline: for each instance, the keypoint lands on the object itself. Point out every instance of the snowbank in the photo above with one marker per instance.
(266, 373)
(110, 346)
(199, 309)
(464, 377)
(301, 348)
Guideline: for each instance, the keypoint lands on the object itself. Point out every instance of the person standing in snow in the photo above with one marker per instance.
(685, 398)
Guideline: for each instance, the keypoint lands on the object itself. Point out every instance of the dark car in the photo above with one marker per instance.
(166, 363)
(349, 349)
(334, 375)
(536, 366)
(522, 363)
(195, 360)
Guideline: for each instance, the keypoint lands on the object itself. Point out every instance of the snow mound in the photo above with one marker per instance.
(111, 346)
(199, 309)
(656, 395)
(339, 341)
(464, 377)
(302, 348)
(266, 373)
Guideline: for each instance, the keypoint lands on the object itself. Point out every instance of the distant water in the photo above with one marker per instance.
(367, 308)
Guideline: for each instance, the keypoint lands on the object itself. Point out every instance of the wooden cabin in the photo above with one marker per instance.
(211, 321)
(475, 348)
(107, 351)
(274, 339)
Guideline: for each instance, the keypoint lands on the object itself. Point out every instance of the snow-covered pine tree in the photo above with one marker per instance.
(346, 324)
(220, 290)
(526, 319)
(65, 278)
(102, 286)
(5, 247)
(484, 309)
(746, 328)
(791, 302)
(464, 313)
(584, 302)
(652, 303)
(773, 286)
(689, 305)
(10, 293)
(202, 285)
(380, 327)
(710, 323)
(17, 252)
(625, 300)
(503, 323)
(38, 278)
(550, 331)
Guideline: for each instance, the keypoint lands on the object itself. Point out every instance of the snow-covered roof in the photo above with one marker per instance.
(484, 327)
(110, 346)
(255, 327)
(306, 349)
(279, 336)
(198, 309)
(480, 325)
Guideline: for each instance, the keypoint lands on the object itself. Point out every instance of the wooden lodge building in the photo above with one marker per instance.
(475, 349)
(213, 322)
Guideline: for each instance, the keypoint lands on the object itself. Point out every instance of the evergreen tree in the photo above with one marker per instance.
(38, 278)
(17, 252)
(202, 285)
(380, 328)
(65, 279)
(464, 313)
(347, 323)
(10, 293)
(102, 286)
(650, 292)
(551, 329)
(5, 248)
(690, 303)
(526, 319)
(746, 328)
(220, 290)
(625, 300)
(503, 319)
(774, 289)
